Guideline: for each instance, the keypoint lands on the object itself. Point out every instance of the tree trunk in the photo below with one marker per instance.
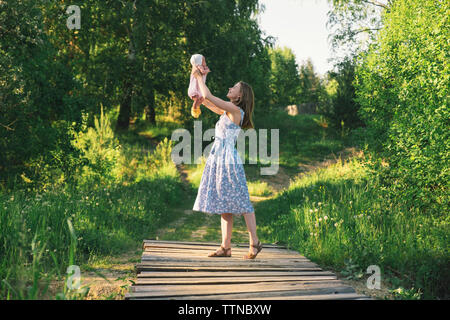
(150, 115)
(123, 120)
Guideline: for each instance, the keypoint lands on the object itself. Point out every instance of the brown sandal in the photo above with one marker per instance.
(222, 253)
(258, 248)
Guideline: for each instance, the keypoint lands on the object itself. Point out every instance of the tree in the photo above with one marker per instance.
(310, 85)
(343, 110)
(123, 53)
(38, 99)
(235, 49)
(284, 77)
(353, 24)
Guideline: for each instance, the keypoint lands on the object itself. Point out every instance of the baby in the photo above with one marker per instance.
(197, 62)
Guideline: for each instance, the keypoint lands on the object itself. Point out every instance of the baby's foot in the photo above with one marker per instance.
(195, 112)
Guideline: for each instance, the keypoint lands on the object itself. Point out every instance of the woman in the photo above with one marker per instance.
(223, 187)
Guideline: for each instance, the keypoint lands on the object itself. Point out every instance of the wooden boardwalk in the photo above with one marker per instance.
(181, 270)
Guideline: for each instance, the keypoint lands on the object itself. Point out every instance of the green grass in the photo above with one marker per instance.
(195, 172)
(106, 221)
(37, 244)
(161, 130)
(259, 188)
(336, 215)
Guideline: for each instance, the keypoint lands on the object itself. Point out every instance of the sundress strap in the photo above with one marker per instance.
(242, 116)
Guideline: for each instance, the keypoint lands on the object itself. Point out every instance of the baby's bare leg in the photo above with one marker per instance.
(197, 103)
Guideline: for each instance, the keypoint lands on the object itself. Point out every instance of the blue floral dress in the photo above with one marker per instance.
(223, 187)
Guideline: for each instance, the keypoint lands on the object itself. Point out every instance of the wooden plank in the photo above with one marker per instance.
(201, 243)
(234, 274)
(202, 249)
(197, 290)
(181, 247)
(175, 244)
(232, 288)
(197, 243)
(234, 258)
(250, 295)
(205, 253)
(331, 296)
(262, 258)
(234, 251)
(227, 261)
(140, 267)
(207, 246)
(213, 248)
(225, 265)
(225, 280)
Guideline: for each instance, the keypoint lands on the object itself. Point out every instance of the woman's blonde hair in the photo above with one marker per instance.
(246, 103)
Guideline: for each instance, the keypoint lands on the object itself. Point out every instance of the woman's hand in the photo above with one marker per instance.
(217, 102)
(197, 74)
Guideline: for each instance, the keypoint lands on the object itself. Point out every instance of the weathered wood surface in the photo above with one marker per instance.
(182, 270)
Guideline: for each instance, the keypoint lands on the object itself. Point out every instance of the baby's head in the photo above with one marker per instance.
(198, 60)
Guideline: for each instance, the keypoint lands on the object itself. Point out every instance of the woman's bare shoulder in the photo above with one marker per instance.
(233, 116)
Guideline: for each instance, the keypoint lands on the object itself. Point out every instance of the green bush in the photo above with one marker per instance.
(402, 86)
(101, 151)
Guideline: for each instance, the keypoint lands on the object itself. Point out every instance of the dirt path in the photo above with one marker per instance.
(282, 179)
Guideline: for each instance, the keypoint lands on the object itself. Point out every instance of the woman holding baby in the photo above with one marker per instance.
(223, 187)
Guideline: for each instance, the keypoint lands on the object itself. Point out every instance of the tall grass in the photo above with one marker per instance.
(42, 233)
(337, 215)
(259, 188)
(36, 240)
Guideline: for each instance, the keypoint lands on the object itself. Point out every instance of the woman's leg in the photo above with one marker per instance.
(250, 220)
(227, 227)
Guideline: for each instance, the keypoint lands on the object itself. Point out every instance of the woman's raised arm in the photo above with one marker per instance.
(221, 104)
(212, 107)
